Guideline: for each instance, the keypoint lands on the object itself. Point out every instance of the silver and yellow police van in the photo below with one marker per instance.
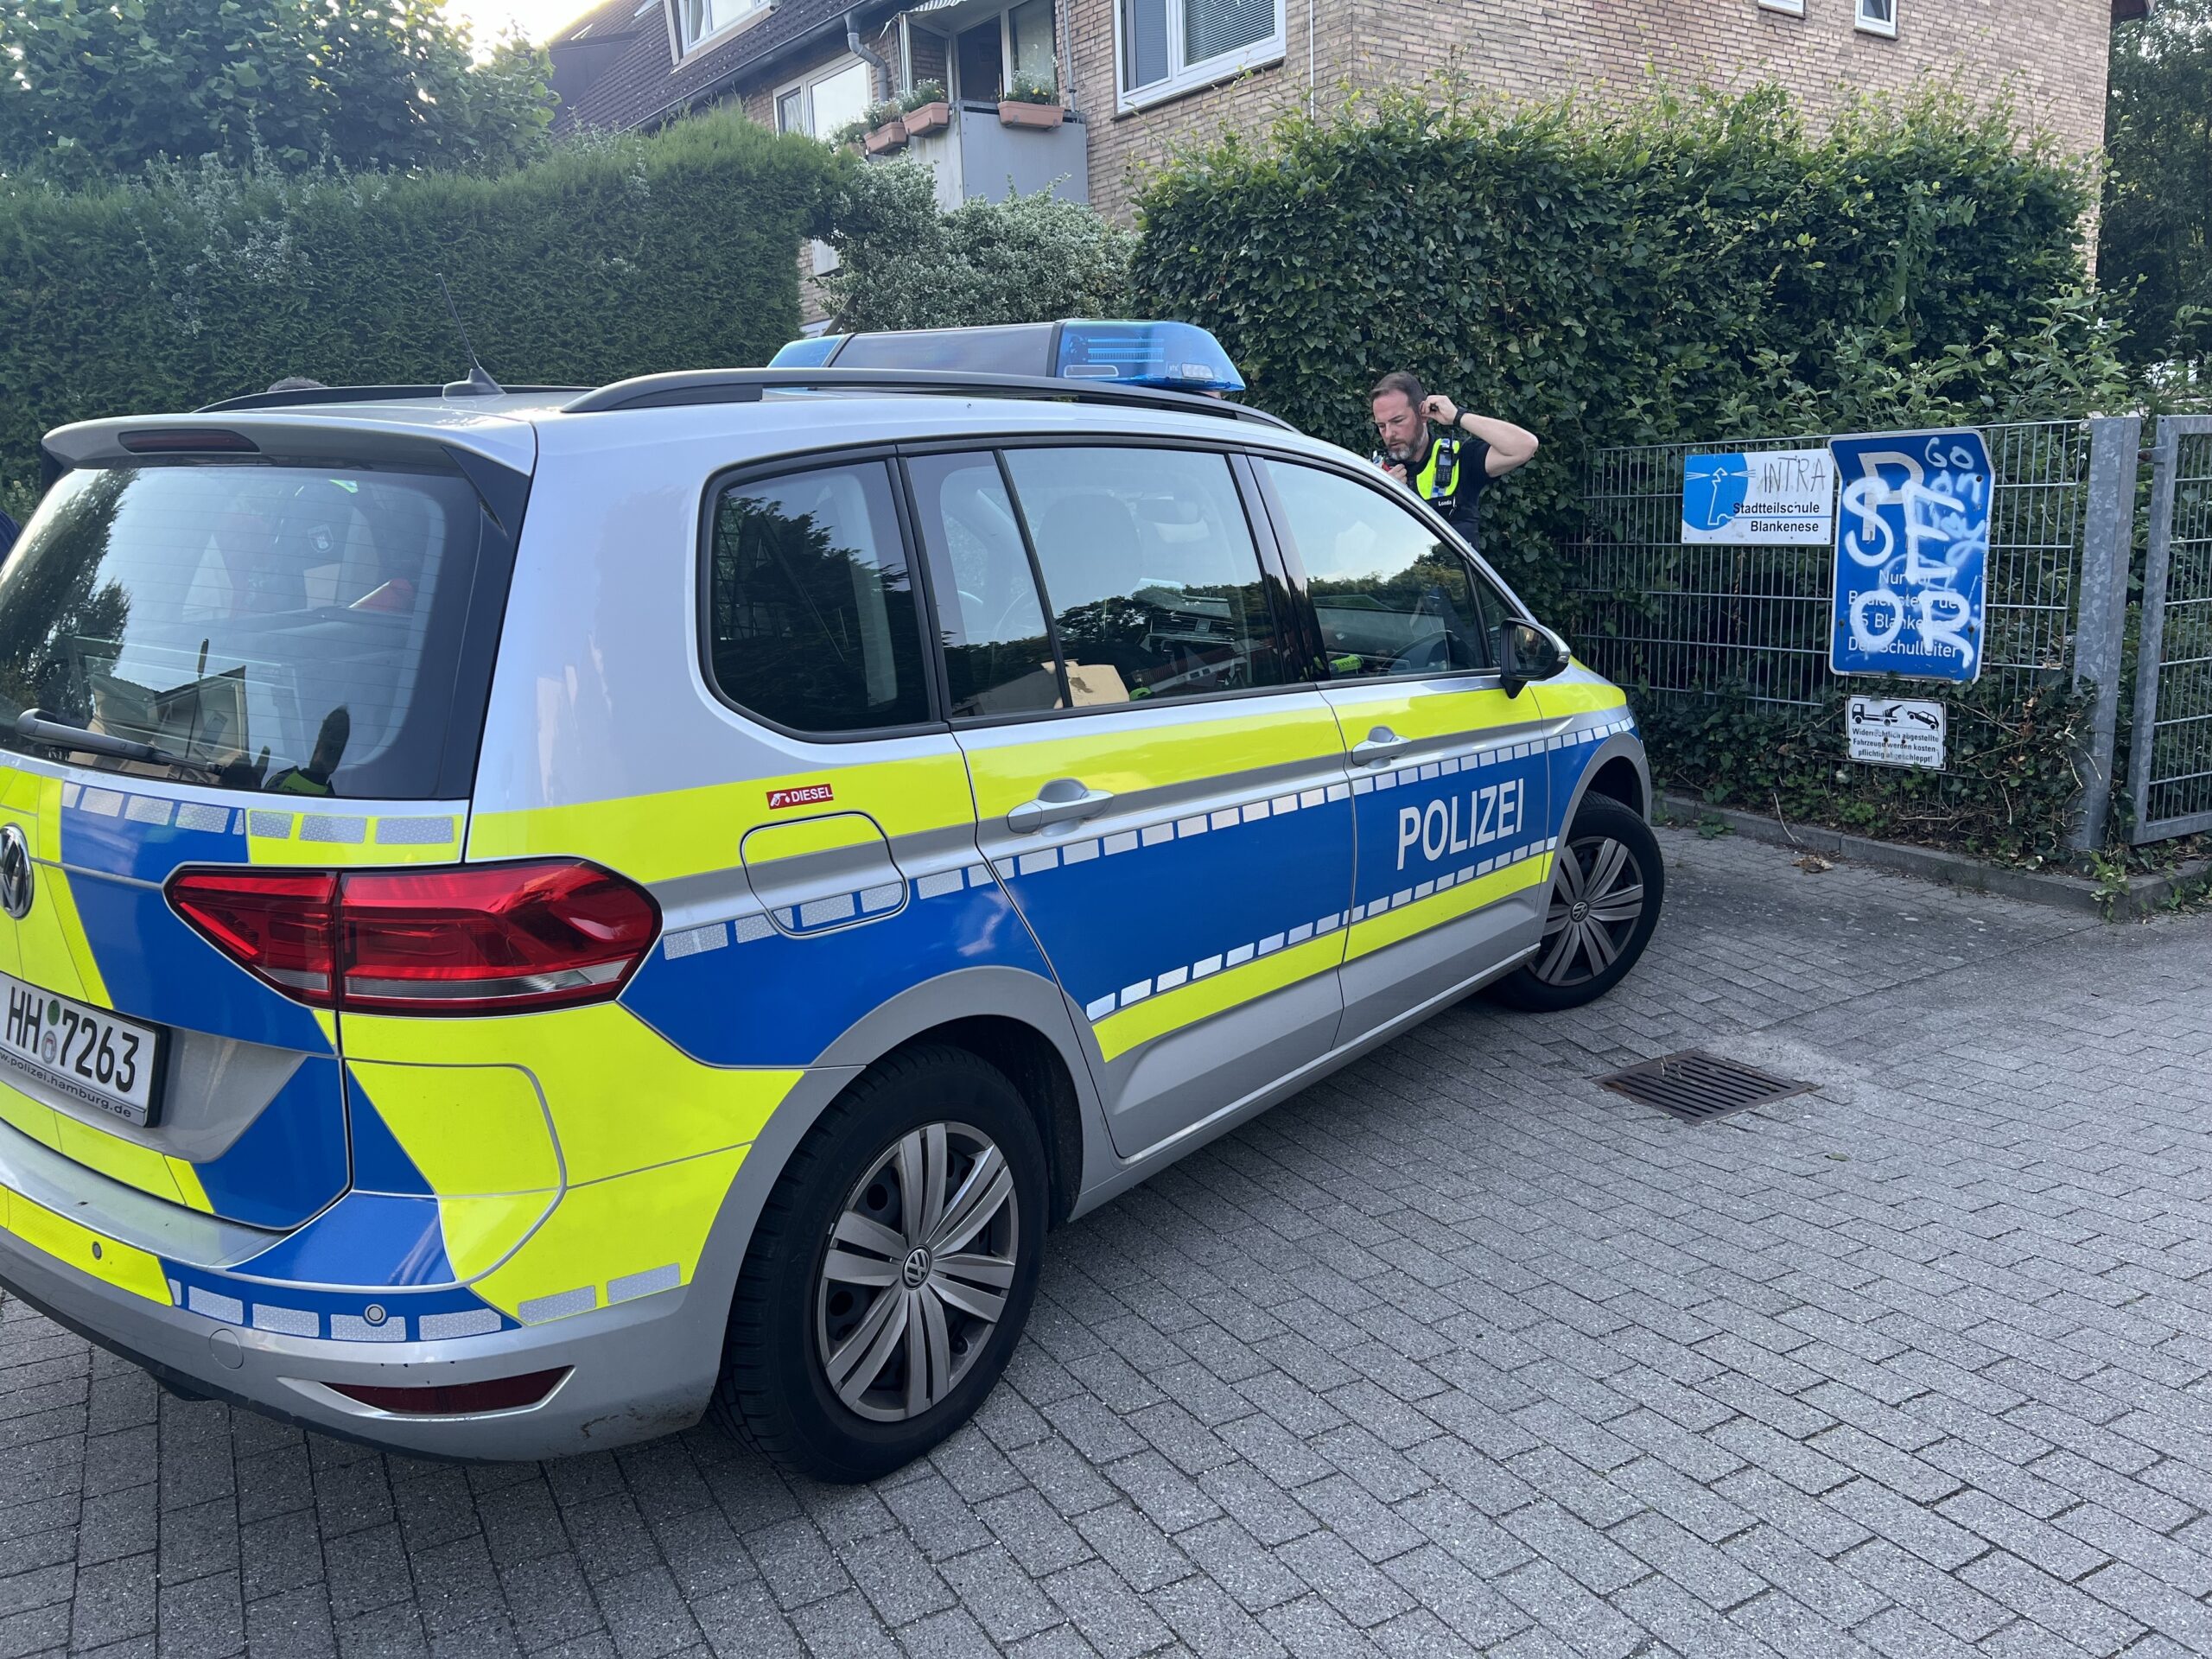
(533, 916)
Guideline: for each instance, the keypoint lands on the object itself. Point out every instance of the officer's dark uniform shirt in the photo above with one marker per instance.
(1452, 478)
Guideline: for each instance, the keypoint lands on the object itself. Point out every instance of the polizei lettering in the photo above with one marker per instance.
(1493, 812)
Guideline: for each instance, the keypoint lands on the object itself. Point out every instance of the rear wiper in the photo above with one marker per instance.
(34, 725)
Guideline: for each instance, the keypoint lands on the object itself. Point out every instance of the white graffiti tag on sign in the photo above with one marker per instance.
(1911, 555)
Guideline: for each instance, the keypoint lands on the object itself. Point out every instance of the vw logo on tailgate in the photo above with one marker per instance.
(15, 883)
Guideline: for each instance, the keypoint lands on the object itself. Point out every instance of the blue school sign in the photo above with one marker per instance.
(1911, 555)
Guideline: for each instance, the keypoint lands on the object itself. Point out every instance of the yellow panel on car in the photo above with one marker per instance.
(1405, 920)
(1166, 1011)
(622, 1097)
(331, 838)
(825, 834)
(1183, 744)
(614, 1240)
(481, 1232)
(56, 955)
(74, 1245)
(33, 1117)
(469, 1128)
(683, 832)
(134, 1165)
(1569, 694)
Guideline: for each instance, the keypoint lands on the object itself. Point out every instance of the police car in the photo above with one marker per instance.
(532, 916)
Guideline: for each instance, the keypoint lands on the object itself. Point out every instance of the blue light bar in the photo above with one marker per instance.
(1163, 356)
(1168, 356)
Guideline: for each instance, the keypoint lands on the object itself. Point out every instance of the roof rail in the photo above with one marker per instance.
(747, 385)
(309, 395)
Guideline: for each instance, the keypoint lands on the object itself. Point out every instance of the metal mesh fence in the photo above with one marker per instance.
(1753, 621)
(2176, 793)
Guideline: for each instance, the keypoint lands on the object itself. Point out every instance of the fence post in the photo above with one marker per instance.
(2100, 627)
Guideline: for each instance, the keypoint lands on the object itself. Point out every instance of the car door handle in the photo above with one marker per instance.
(1380, 745)
(1065, 800)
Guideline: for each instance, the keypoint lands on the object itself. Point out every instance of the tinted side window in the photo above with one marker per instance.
(1150, 571)
(812, 621)
(998, 653)
(1391, 598)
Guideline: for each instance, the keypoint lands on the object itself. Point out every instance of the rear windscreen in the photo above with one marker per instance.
(275, 629)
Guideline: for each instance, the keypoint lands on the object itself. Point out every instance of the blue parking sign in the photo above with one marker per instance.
(1911, 555)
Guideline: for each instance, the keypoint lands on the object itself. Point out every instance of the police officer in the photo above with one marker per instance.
(1450, 471)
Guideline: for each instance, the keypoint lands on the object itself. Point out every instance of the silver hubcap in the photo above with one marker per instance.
(915, 1272)
(1597, 897)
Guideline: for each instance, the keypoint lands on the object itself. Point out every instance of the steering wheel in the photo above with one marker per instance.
(1425, 655)
(998, 628)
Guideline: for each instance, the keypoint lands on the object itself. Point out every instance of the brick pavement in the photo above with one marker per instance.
(1453, 1353)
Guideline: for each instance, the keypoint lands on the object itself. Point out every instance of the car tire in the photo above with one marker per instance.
(1608, 882)
(861, 1333)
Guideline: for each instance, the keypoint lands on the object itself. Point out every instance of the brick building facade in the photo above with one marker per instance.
(2048, 56)
(1200, 67)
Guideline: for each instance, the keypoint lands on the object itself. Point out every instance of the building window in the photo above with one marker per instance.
(817, 106)
(699, 21)
(1878, 16)
(988, 57)
(826, 100)
(1168, 46)
(1787, 8)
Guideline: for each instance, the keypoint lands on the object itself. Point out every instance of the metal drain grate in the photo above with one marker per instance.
(1696, 1086)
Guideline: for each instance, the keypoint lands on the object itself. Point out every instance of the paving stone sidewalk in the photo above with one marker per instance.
(1454, 1353)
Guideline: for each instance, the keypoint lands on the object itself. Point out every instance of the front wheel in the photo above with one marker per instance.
(891, 1271)
(1607, 883)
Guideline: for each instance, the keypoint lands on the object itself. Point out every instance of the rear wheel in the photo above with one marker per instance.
(1607, 884)
(891, 1271)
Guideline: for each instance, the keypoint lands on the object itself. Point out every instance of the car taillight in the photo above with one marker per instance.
(276, 925)
(490, 939)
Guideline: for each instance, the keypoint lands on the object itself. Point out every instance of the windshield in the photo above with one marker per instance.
(263, 628)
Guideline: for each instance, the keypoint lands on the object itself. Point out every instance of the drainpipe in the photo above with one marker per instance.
(854, 44)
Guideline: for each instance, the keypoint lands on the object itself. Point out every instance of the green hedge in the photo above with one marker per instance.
(1695, 269)
(612, 257)
(1700, 269)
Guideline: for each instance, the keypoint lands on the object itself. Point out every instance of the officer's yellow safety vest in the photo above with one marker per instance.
(1440, 475)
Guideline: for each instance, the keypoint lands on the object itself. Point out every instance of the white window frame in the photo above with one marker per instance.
(679, 51)
(960, 94)
(1787, 8)
(821, 256)
(805, 84)
(1190, 78)
(1885, 26)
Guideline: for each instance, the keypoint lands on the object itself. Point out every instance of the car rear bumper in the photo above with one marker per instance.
(636, 1370)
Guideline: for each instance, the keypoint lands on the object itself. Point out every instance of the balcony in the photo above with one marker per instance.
(976, 158)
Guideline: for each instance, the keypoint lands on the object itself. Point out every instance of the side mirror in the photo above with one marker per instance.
(1531, 651)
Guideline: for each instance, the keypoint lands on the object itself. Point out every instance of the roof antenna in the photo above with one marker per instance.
(479, 384)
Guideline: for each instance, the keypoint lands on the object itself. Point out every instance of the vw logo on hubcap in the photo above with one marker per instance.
(15, 883)
(1581, 912)
(916, 1272)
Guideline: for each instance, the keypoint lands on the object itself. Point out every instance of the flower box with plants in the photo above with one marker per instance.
(926, 109)
(887, 127)
(1030, 102)
(851, 135)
